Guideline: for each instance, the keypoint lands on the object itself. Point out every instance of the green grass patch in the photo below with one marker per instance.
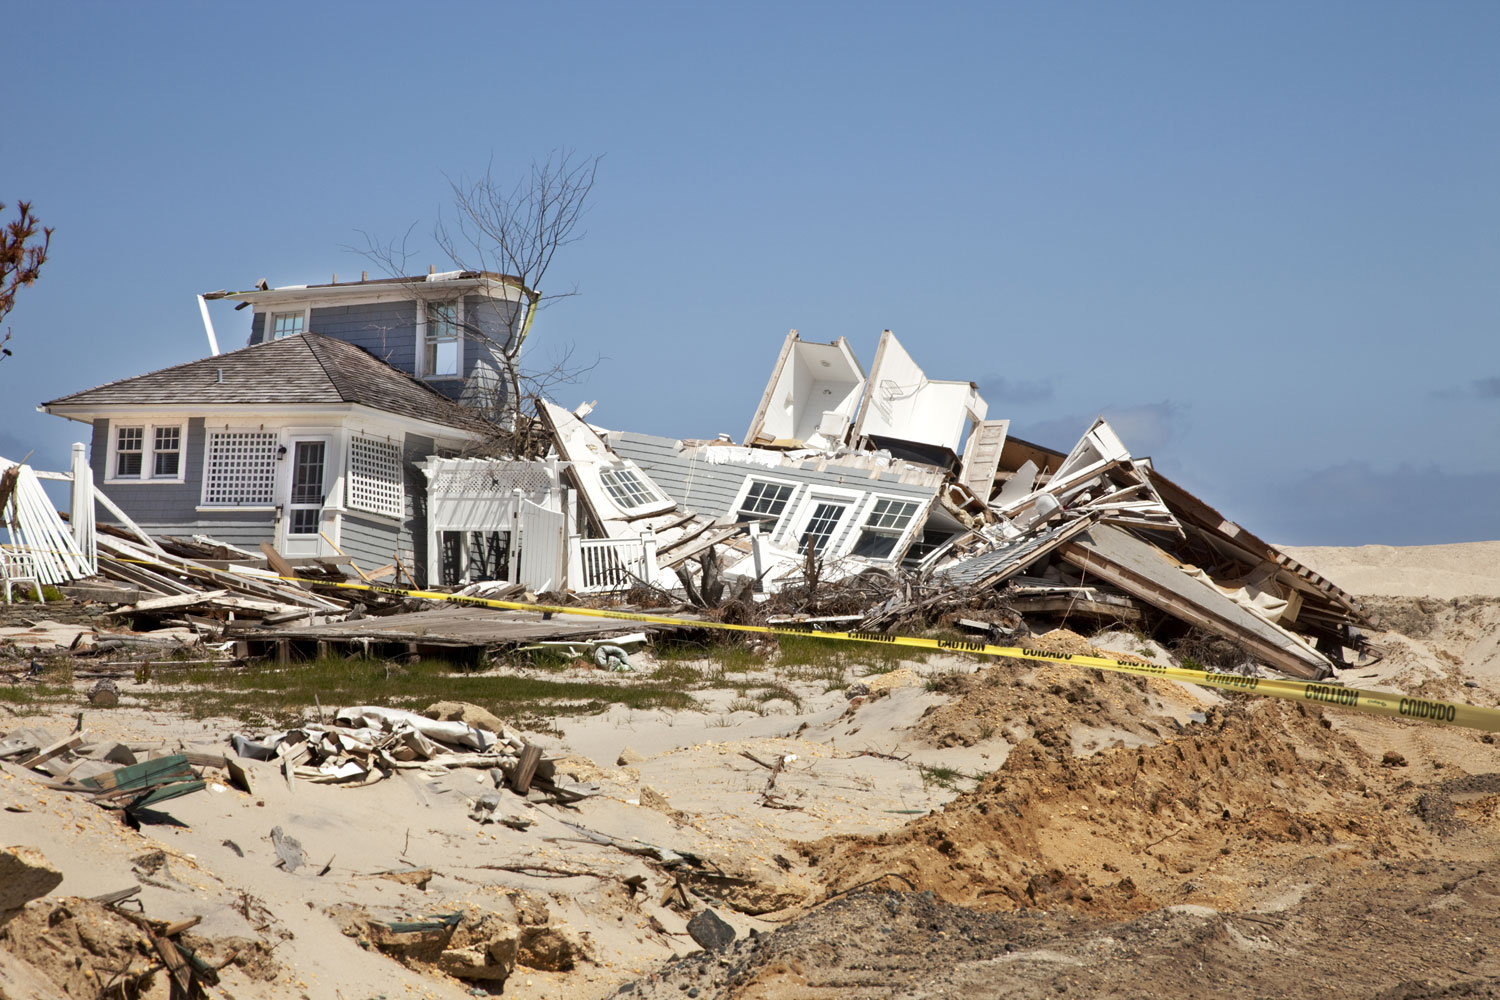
(773, 692)
(286, 695)
(36, 694)
(730, 657)
(945, 777)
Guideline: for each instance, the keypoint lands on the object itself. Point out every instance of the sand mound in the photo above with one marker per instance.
(1125, 831)
(1057, 704)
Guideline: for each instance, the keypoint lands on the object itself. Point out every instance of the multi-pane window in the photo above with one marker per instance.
(166, 455)
(765, 503)
(440, 351)
(130, 444)
(822, 525)
(374, 481)
(626, 489)
(285, 324)
(146, 452)
(239, 468)
(884, 527)
(305, 502)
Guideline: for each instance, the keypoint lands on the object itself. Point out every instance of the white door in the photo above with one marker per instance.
(306, 489)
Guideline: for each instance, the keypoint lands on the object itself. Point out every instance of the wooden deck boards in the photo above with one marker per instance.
(455, 626)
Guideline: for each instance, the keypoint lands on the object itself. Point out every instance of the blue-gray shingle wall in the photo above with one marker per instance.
(372, 541)
(388, 330)
(154, 502)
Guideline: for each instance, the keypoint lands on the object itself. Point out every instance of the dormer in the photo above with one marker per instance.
(449, 329)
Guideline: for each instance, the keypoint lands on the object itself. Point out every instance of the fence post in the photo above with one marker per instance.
(648, 557)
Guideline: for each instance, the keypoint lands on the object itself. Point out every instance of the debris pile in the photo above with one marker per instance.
(368, 743)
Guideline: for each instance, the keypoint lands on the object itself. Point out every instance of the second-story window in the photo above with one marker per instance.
(285, 325)
(440, 351)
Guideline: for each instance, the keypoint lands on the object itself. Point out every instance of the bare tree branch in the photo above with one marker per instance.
(21, 259)
(507, 233)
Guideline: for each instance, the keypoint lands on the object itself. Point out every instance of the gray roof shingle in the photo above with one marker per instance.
(309, 368)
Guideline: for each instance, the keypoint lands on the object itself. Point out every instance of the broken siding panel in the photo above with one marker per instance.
(388, 330)
(696, 486)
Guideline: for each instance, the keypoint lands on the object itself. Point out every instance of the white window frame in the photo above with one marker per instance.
(148, 451)
(867, 510)
(787, 512)
(268, 332)
(794, 527)
(277, 459)
(458, 319)
(642, 481)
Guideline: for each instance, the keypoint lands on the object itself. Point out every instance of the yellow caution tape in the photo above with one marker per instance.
(1374, 702)
(1448, 713)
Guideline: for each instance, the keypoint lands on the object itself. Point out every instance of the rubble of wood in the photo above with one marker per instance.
(131, 780)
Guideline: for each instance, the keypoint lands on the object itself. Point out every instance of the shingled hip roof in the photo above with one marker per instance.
(305, 369)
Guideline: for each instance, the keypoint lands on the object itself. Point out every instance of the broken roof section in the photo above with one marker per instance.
(812, 397)
(913, 416)
(446, 281)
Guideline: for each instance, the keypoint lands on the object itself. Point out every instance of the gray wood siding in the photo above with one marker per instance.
(372, 542)
(148, 502)
(245, 534)
(388, 330)
(257, 329)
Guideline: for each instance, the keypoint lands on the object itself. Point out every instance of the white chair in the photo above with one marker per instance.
(17, 567)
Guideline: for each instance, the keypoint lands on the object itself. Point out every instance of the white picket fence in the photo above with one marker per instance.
(599, 565)
(543, 541)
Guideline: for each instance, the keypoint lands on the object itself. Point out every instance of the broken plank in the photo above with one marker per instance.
(151, 772)
(277, 561)
(62, 746)
(171, 601)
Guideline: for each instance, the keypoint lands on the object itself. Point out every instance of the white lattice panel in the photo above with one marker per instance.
(375, 477)
(241, 468)
(468, 478)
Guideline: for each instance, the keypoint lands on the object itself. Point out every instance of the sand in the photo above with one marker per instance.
(1001, 787)
(1436, 571)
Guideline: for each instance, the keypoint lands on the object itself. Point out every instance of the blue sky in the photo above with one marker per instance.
(1264, 239)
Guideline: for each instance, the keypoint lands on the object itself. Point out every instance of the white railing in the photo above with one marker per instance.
(597, 565)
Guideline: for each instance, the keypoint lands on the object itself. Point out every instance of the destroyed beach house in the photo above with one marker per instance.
(353, 424)
(903, 476)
